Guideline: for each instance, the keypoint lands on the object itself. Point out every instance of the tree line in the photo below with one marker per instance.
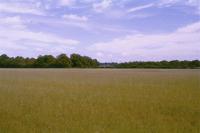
(158, 64)
(49, 61)
(78, 61)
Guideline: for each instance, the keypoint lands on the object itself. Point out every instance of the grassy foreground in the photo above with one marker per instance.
(99, 101)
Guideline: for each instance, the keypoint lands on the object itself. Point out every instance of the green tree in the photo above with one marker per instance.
(62, 61)
(4, 60)
(18, 62)
(46, 61)
(76, 60)
(30, 62)
(194, 64)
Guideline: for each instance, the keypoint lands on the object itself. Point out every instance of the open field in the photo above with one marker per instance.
(99, 101)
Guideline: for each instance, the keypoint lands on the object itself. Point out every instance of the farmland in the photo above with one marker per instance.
(99, 101)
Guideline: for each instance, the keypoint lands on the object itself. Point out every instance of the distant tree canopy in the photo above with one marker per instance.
(160, 64)
(78, 61)
(63, 61)
(83, 61)
(48, 61)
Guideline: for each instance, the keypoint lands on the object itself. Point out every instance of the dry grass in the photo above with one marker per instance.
(99, 101)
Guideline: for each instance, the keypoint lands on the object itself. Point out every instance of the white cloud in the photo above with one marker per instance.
(187, 2)
(12, 22)
(182, 44)
(138, 8)
(195, 3)
(193, 28)
(192, 3)
(74, 17)
(100, 7)
(67, 2)
(22, 8)
(14, 35)
(169, 2)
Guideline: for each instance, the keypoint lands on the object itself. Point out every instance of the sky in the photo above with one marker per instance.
(108, 30)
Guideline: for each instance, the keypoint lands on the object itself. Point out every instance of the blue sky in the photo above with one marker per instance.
(109, 30)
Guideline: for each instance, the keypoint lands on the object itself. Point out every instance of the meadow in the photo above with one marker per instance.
(99, 101)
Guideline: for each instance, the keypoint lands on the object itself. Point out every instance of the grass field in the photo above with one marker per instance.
(99, 101)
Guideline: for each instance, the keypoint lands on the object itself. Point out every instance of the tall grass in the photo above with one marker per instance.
(99, 101)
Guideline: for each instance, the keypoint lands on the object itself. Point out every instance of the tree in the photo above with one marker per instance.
(79, 61)
(18, 62)
(86, 61)
(76, 60)
(4, 61)
(62, 61)
(30, 62)
(46, 61)
(95, 63)
(194, 64)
